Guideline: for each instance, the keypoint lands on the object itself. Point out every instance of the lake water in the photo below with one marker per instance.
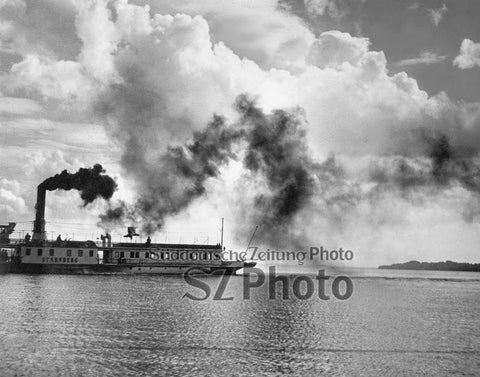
(396, 323)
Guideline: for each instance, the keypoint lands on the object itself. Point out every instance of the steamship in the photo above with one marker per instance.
(40, 256)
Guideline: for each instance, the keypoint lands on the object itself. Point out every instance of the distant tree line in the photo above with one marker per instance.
(437, 266)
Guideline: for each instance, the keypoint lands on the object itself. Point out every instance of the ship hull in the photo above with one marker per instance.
(118, 269)
(4, 267)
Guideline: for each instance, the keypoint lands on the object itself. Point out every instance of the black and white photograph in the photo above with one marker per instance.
(239, 188)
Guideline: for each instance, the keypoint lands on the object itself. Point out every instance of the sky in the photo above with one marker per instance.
(334, 123)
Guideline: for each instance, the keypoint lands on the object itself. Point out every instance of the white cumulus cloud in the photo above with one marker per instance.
(469, 55)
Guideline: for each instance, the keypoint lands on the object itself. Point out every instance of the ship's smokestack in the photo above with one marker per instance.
(90, 182)
(39, 223)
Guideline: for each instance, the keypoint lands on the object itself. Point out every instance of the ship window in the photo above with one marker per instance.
(91, 253)
(40, 252)
(116, 254)
(27, 251)
(147, 255)
(122, 254)
(51, 252)
(69, 253)
(80, 253)
(132, 254)
(137, 254)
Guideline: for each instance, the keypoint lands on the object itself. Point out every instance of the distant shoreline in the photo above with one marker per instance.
(434, 266)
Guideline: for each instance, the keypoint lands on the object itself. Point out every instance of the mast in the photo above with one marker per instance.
(221, 239)
(251, 239)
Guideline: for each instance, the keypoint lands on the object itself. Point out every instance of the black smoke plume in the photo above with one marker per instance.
(181, 175)
(277, 150)
(444, 164)
(272, 146)
(90, 182)
(451, 165)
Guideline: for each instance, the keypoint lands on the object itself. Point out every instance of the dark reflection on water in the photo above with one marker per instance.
(118, 325)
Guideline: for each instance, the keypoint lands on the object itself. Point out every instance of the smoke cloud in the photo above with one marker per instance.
(442, 166)
(271, 146)
(276, 150)
(90, 182)
(289, 184)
